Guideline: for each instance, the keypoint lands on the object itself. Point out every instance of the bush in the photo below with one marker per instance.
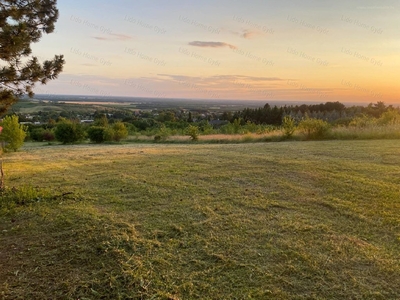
(120, 131)
(69, 132)
(162, 134)
(193, 132)
(314, 128)
(48, 136)
(390, 117)
(96, 134)
(36, 134)
(40, 135)
(13, 134)
(362, 121)
(289, 126)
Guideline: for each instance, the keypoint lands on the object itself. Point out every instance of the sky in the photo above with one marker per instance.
(347, 51)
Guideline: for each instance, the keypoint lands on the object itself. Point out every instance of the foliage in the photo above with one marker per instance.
(23, 195)
(362, 121)
(48, 135)
(22, 23)
(263, 115)
(36, 134)
(314, 128)
(162, 134)
(289, 126)
(119, 131)
(13, 134)
(96, 134)
(101, 121)
(69, 132)
(205, 127)
(193, 132)
(39, 134)
(389, 117)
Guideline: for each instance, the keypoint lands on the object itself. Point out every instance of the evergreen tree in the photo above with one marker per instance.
(23, 22)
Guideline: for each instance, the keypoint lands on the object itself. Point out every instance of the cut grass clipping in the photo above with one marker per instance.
(290, 220)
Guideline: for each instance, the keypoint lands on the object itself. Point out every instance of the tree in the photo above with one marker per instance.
(193, 132)
(69, 132)
(23, 22)
(96, 134)
(13, 134)
(119, 131)
(101, 121)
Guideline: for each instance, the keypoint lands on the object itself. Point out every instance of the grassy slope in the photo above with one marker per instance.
(295, 220)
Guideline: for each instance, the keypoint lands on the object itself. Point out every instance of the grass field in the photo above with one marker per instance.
(289, 220)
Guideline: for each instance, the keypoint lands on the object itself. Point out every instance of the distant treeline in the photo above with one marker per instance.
(329, 111)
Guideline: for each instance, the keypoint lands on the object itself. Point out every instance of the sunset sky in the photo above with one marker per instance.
(310, 50)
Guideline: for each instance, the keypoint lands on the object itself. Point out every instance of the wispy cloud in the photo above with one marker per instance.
(211, 44)
(247, 33)
(113, 37)
(222, 78)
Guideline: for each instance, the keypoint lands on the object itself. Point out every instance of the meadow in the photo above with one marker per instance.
(284, 220)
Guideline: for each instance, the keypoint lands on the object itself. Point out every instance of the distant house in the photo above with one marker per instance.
(87, 121)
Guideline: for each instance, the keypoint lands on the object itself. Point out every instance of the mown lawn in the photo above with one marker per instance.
(289, 220)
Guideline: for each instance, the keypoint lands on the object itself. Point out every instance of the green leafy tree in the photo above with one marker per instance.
(13, 134)
(193, 132)
(23, 22)
(69, 132)
(96, 134)
(101, 121)
(119, 131)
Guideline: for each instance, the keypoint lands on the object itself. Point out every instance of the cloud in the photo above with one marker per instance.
(248, 34)
(222, 78)
(211, 44)
(113, 37)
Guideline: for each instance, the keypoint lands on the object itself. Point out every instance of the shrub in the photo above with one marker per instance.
(193, 132)
(69, 132)
(162, 134)
(96, 134)
(48, 136)
(236, 125)
(108, 134)
(36, 134)
(362, 121)
(40, 135)
(314, 128)
(289, 126)
(390, 117)
(119, 131)
(13, 134)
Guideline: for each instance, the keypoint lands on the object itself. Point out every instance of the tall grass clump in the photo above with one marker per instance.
(23, 195)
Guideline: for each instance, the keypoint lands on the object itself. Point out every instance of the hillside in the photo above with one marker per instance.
(289, 220)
